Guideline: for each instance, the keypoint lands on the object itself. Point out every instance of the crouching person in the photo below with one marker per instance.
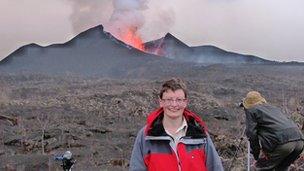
(174, 138)
(275, 141)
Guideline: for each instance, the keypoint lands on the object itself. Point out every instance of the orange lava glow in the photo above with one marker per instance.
(132, 39)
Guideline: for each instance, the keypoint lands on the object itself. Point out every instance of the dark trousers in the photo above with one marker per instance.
(281, 157)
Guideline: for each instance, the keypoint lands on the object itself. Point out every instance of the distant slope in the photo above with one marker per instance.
(97, 53)
(212, 54)
(92, 52)
(171, 47)
(168, 46)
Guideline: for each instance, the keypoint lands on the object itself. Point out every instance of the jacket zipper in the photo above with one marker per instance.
(176, 152)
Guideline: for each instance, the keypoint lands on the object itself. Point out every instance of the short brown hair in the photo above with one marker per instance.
(173, 84)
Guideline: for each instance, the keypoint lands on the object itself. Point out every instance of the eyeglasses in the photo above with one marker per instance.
(177, 101)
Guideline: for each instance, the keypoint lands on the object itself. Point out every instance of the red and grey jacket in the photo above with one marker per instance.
(195, 151)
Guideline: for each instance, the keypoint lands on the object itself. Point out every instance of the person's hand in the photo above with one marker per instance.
(263, 155)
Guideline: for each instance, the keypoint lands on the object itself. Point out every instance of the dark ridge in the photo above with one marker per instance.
(18, 52)
(95, 52)
(92, 52)
(94, 31)
(171, 47)
(169, 38)
(176, 41)
(168, 46)
(213, 54)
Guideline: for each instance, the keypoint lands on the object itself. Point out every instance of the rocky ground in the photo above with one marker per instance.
(97, 118)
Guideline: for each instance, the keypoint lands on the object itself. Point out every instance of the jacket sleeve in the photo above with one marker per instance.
(213, 160)
(137, 159)
(251, 133)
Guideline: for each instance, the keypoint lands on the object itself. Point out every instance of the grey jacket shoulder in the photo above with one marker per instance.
(137, 157)
(214, 162)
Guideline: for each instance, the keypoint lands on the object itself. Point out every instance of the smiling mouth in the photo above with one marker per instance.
(174, 110)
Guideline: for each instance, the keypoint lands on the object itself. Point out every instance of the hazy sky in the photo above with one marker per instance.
(272, 29)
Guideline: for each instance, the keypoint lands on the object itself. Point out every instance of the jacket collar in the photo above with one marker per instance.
(196, 127)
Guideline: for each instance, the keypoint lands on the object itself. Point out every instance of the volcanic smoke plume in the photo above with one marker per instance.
(86, 14)
(127, 18)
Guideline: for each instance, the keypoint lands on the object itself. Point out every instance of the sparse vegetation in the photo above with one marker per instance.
(98, 118)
